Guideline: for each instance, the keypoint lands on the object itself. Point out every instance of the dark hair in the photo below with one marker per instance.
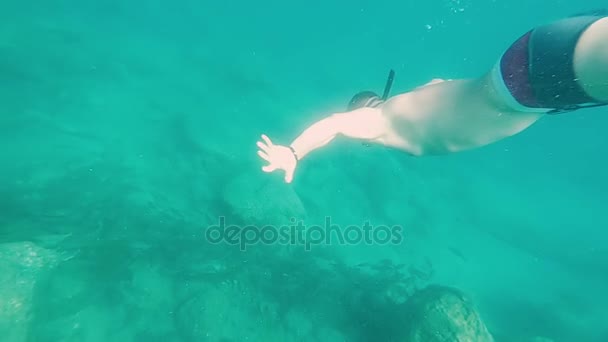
(364, 99)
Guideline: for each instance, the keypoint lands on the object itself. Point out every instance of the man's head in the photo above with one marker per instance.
(371, 99)
(364, 99)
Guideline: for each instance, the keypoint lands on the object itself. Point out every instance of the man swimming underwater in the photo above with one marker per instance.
(555, 68)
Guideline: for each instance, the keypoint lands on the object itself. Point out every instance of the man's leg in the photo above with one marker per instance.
(591, 60)
(556, 67)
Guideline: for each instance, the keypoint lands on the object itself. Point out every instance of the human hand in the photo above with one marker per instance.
(279, 158)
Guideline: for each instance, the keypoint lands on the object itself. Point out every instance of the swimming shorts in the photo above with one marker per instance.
(536, 74)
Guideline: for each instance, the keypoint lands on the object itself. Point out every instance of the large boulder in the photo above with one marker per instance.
(262, 201)
(443, 314)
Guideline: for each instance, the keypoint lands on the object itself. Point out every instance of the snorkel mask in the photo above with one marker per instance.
(369, 98)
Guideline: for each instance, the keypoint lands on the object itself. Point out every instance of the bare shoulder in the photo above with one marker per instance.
(435, 81)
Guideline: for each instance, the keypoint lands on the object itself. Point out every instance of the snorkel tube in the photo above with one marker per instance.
(388, 85)
(369, 98)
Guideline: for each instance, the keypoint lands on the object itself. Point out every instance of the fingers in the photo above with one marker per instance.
(267, 140)
(289, 176)
(264, 156)
(269, 168)
(263, 147)
(263, 153)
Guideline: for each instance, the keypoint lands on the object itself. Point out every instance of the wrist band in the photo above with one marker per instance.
(294, 152)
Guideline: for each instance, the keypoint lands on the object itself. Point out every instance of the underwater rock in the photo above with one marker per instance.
(22, 264)
(231, 311)
(235, 311)
(262, 202)
(443, 314)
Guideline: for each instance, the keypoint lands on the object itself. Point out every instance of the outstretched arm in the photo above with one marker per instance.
(364, 123)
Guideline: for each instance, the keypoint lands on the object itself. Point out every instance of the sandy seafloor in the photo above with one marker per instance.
(128, 127)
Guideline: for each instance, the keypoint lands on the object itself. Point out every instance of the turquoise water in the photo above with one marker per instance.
(129, 129)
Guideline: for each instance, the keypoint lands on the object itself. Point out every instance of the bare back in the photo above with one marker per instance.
(451, 116)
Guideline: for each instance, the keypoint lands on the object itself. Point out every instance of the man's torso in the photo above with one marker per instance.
(451, 116)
